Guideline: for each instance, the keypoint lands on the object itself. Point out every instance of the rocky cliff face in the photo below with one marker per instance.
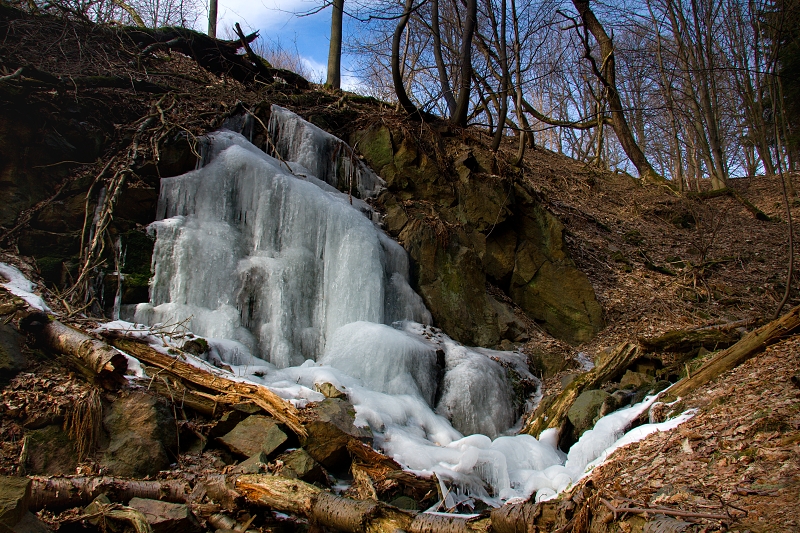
(465, 227)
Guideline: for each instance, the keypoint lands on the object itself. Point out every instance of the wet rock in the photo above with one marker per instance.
(165, 517)
(584, 411)
(330, 427)
(15, 496)
(51, 452)
(12, 361)
(141, 433)
(254, 434)
(298, 464)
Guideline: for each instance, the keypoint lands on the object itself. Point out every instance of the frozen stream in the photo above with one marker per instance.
(293, 284)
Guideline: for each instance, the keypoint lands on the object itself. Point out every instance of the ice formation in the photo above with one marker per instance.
(293, 284)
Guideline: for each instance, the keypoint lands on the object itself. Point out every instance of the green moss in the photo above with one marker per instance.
(138, 247)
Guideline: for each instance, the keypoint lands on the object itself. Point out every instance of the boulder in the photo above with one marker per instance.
(635, 380)
(254, 434)
(298, 464)
(15, 496)
(142, 432)
(256, 464)
(12, 361)
(330, 426)
(29, 524)
(585, 410)
(165, 517)
(51, 452)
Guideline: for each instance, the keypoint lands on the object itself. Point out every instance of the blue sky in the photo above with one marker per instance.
(277, 20)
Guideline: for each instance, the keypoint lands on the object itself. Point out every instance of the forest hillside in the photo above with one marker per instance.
(578, 283)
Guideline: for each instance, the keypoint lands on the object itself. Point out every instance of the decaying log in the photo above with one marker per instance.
(64, 492)
(180, 395)
(751, 344)
(232, 392)
(105, 361)
(554, 414)
(686, 340)
(344, 514)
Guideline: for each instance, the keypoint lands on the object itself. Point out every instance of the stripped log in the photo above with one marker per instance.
(751, 344)
(345, 514)
(554, 414)
(104, 360)
(64, 492)
(232, 392)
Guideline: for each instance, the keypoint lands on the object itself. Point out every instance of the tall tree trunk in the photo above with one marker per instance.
(618, 121)
(212, 18)
(459, 118)
(444, 80)
(397, 73)
(334, 79)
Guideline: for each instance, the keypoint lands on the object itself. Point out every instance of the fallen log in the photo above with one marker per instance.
(751, 344)
(554, 414)
(105, 361)
(345, 514)
(231, 392)
(64, 492)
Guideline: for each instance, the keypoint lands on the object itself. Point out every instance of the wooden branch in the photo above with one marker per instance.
(751, 344)
(555, 415)
(232, 391)
(345, 514)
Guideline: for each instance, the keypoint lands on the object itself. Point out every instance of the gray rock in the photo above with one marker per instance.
(141, 432)
(15, 496)
(12, 361)
(635, 380)
(30, 524)
(165, 517)
(256, 464)
(254, 434)
(298, 464)
(584, 411)
(330, 427)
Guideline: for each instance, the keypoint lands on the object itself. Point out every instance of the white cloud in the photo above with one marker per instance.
(269, 15)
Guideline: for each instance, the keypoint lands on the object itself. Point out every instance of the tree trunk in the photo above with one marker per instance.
(106, 362)
(459, 118)
(751, 344)
(397, 74)
(212, 18)
(64, 492)
(608, 78)
(444, 80)
(232, 391)
(335, 51)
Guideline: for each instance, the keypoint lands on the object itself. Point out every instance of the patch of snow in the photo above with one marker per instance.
(20, 286)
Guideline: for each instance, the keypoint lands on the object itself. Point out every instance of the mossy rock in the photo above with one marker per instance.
(375, 145)
(51, 452)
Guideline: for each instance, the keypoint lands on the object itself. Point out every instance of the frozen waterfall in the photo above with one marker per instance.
(294, 284)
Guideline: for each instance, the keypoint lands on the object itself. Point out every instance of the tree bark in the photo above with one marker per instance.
(64, 492)
(608, 78)
(554, 415)
(444, 80)
(334, 79)
(751, 344)
(344, 514)
(459, 118)
(397, 74)
(212, 18)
